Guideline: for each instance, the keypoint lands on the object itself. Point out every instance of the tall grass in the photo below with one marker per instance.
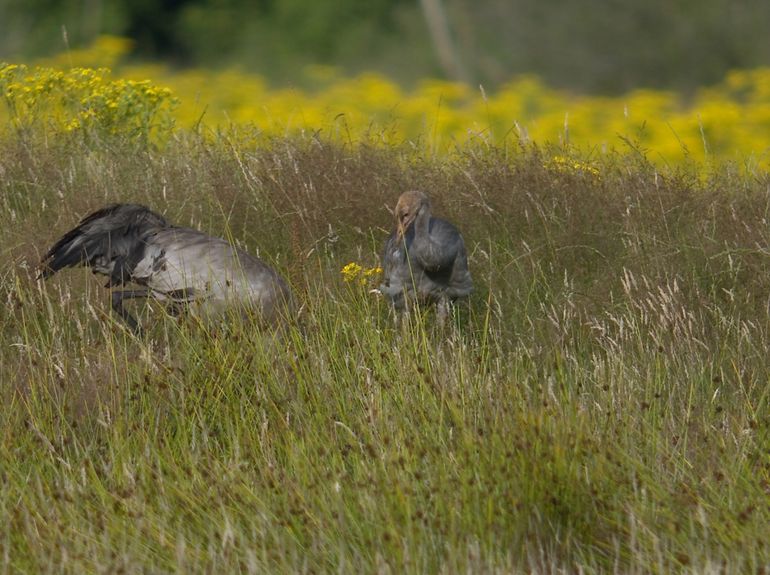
(601, 403)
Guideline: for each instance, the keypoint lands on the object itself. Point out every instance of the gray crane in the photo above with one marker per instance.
(424, 258)
(180, 266)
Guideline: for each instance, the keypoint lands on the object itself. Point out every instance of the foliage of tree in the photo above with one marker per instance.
(605, 47)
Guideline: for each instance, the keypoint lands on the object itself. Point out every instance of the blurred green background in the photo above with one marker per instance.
(591, 47)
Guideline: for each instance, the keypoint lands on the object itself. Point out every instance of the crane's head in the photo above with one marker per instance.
(409, 206)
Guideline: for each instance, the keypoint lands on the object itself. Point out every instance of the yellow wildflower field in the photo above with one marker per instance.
(729, 121)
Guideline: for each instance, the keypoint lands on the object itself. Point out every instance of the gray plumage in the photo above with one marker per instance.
(424, 258)
(131, 243)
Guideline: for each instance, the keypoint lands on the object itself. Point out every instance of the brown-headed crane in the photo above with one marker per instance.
(424, 259)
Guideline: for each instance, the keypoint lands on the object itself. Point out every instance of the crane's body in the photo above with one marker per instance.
(130, 243)
(424, 258)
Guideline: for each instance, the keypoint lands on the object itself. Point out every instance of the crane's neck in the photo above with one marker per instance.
(422, 224)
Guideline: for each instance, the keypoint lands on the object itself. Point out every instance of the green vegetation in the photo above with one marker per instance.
(606, 48)
(600, 404)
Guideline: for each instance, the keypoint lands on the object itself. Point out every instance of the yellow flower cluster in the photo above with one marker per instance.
(84, 100)
(728, 121)
(355, 273)
(564, 164)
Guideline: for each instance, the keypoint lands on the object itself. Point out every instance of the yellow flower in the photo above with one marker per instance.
(563, 164)
(354, 272)
(351, 271)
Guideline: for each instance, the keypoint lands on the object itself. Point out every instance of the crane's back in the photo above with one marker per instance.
(186, 265)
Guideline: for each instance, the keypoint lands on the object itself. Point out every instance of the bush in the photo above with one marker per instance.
(85, 104)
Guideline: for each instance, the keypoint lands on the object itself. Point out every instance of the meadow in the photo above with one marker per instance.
(600, 404)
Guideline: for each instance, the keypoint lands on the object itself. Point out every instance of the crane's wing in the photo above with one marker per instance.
(110, 241)
(443, 260)
(440, 249)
